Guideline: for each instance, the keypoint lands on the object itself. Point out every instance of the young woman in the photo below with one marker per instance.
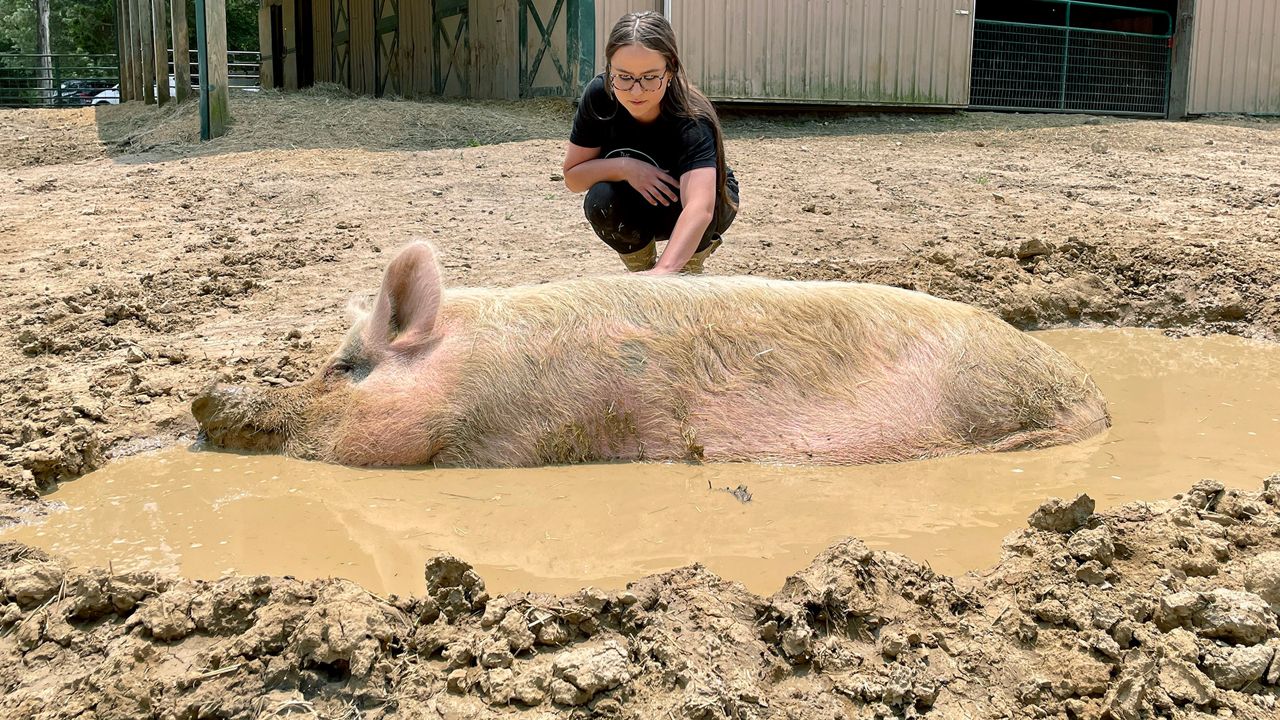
(646, 147)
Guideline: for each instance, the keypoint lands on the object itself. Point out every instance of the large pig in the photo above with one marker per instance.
(662, 368)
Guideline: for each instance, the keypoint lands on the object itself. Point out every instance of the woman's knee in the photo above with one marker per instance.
(601, 202)
(609, 211)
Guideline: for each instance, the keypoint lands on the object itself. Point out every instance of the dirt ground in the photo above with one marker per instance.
(139, 263)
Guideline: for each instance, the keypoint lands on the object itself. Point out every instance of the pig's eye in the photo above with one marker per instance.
(340, 368)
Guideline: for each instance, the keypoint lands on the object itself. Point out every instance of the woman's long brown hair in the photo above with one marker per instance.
(651, 30)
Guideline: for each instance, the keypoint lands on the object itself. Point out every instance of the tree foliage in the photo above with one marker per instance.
(89, 26)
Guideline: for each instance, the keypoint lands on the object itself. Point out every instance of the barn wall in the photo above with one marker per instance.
(1235, 57)
(608, 12)
(495, 70)
(909, 52)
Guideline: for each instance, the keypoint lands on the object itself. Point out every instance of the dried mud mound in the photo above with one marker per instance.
(1151, 610)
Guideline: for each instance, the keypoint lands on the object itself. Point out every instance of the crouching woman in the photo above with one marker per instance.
(646, 147)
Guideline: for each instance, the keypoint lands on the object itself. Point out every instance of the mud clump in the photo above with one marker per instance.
(1059, 516)
(857, 634)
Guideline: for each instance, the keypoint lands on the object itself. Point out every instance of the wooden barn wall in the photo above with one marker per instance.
(289, 52)
(290, 44)
(495, 41)
(492, 67)
(423, 50)
(362, 47)
(322, 41)
(414, 62)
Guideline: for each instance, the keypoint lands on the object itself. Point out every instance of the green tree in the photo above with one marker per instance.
(17, 26)
(89, 26)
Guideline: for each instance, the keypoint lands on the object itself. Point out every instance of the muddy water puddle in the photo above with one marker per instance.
(1183, 410)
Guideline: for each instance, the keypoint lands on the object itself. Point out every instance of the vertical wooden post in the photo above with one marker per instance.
(148, 52)
(122, 47)
(267, 51)
(1180, 71)
(211, 36)
(160, 41)
(290, 50)
(219, 99)
(181, 49)
(135, 51)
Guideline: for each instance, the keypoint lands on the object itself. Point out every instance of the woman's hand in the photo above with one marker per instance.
(655, 272)
(656, 186)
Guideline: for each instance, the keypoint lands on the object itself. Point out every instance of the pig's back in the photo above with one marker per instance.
(739, 368)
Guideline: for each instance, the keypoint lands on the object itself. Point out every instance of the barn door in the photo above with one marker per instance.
(557, 46)
(451, 59)
(386, 51)
(340, 31)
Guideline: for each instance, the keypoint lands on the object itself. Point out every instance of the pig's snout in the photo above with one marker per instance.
(231, 417)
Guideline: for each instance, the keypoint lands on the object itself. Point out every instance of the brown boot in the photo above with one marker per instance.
(640, 260)
(694, 266)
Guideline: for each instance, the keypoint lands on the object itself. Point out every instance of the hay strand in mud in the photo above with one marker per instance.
(328, 116)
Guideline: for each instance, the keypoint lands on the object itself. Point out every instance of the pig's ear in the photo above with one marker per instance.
(405, 312)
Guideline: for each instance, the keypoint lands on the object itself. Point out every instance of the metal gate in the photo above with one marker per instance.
(1066, 68)
(563, 31)
(31, 80)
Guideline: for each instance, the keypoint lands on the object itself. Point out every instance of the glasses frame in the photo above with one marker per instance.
(614, 79)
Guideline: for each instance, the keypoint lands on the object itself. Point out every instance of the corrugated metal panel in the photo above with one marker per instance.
(908, 52)
(608, 12)
(1235, 57)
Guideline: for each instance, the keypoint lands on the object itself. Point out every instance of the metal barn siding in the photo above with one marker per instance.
(1235, 57)
(864, 52)
(608, 12)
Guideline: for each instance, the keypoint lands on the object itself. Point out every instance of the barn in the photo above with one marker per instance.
(1155, 58)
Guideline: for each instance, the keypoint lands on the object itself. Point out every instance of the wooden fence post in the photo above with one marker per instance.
(143, 8)
(211, 35)
(181, 49)
(122, 49)
(135, 50)
(1180, 73)
(160, 45)
(266, 71)
(219, 100)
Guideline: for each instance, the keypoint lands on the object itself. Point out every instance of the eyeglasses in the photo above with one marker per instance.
(648, 83)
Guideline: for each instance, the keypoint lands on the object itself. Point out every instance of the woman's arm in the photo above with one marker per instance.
(698, 196)
(583, 167)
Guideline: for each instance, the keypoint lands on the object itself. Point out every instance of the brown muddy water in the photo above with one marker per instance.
(1183, 409)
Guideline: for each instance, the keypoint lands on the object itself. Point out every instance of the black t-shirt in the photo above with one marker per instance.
(675, 145)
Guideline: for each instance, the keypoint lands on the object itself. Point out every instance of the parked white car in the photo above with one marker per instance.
(112, 96)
